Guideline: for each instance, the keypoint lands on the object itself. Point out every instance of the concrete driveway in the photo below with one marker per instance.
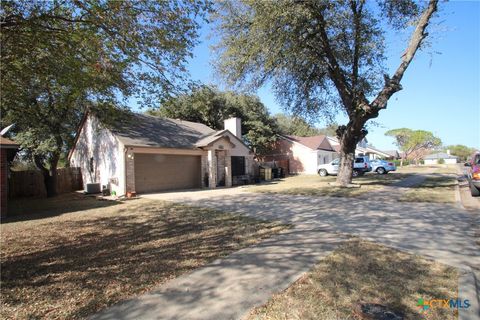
(443, 232)
(228, 288)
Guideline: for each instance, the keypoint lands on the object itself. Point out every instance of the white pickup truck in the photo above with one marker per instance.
(360, 166)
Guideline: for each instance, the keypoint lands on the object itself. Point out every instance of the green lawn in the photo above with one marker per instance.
(361, 272)
(79, 255)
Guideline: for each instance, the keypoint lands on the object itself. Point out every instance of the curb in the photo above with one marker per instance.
(468, 288)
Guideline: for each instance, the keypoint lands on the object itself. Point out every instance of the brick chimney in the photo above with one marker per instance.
(234, 125)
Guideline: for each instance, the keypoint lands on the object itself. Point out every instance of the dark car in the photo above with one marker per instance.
(473, 174)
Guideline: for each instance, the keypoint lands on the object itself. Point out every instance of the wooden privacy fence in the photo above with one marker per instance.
(30, 183)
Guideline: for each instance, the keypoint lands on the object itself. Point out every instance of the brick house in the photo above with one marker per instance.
(142, 153)
(304, 154)
(8, 149)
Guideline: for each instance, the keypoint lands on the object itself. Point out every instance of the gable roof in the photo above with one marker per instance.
(143, 130)
(319, 142)
(7, 143)
(439, 155)
(392, 153)
(379, 152)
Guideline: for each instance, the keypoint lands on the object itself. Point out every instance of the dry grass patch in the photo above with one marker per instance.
(374, 181)
(74, 264)
(426, 169)
(363, 272)
(439, 189)
(314, 185)
(311, 185)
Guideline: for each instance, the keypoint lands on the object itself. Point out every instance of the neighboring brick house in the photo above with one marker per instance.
(304, 154)
(8, 149)
(142, 153)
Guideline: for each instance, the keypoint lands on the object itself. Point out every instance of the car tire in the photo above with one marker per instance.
(474, 191)
(322, 173)
(381, 170)
(355, 173)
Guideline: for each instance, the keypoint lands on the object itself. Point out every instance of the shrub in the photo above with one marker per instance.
(441, 161)
(406, 162)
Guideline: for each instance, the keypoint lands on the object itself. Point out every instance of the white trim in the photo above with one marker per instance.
(157, 150)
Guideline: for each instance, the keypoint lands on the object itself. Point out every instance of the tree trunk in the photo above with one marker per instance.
(49, 176)
(50, 180)
(348, 143)
(344, 177)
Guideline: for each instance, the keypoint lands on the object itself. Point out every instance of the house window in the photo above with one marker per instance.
(238, 166)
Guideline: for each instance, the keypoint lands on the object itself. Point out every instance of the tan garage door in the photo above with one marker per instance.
(159, 172)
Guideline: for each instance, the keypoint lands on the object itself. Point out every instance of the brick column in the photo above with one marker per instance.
(212, 169)
(204, 170)
(130, 171)
(228, 169)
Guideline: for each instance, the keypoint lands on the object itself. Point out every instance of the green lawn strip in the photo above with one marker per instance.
(74, 264)
(363, 272)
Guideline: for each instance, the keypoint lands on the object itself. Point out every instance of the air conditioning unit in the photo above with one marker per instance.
(93, 188)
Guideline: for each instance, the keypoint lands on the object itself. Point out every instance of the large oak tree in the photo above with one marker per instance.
(318, 54)
(58, 57)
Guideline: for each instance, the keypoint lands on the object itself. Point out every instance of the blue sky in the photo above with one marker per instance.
(441, 88)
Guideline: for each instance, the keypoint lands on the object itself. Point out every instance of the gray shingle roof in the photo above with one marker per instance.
(440, 155)
(210, 138)
(393, 153)
(143, 130)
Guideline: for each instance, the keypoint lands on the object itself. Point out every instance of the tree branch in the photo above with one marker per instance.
(334, 69)
(393, 85)
(357, 13)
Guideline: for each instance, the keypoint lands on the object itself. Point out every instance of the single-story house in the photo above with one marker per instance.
(360, 150)
(8, 149)
(374, 153)
(304, 154)
(435, 157)
(393, 154)
(140, 153)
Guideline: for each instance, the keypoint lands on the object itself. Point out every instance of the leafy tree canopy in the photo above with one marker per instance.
(211, 107)
(461, 151)
(291, 125)
(320, 55)
(58, 57)
(412, 141)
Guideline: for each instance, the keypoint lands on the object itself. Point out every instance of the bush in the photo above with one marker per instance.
(441, 161)
(406, 162)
